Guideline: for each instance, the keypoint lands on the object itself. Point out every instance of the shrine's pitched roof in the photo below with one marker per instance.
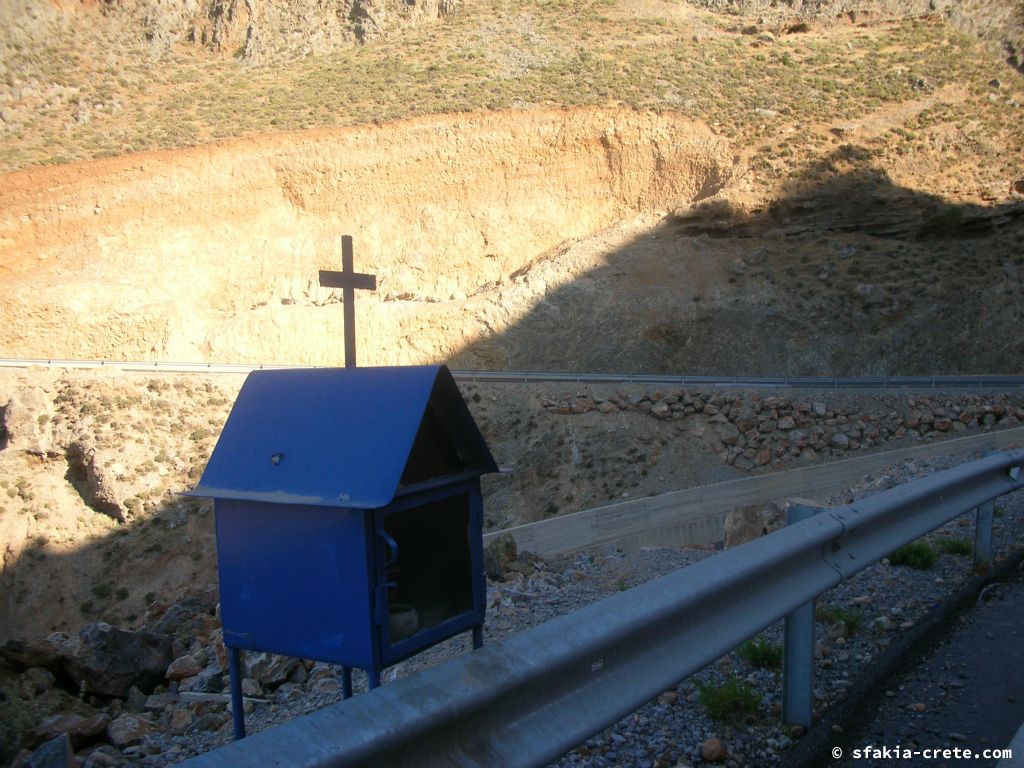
(343, 437)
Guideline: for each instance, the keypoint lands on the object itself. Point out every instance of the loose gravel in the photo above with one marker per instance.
(878, 603)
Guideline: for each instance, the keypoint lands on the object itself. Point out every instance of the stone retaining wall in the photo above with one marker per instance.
(751, 430)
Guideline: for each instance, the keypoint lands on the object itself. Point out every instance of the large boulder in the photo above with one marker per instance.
(187, 616)
(749, 523)
(502, 558)
(499, 554)
(109, 661)
(96, 483)
(129, 729)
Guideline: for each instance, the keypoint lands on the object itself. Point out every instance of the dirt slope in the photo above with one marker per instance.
(518, 240)
(213, 253)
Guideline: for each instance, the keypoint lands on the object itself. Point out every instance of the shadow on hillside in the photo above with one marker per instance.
(172, 544)
(158, 571)
(850, 276)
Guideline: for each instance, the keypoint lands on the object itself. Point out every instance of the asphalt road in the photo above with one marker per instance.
(966, 696)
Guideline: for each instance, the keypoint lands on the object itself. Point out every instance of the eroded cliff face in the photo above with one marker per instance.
(259, 31)
(213, 253)
(518, 240)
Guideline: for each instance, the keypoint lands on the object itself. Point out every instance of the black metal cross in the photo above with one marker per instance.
(348, 280)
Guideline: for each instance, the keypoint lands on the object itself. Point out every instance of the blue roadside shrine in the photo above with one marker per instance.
(348, 516)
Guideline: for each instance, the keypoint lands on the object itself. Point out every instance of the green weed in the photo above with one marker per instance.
(733, 701)
(853, 618)
(917, 555)
(957, 546)
(760, 653)
(102, 591)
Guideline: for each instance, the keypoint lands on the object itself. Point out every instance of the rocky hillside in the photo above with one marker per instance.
(156, 693)
(753, 190)
(778, 198)
(450, 215)
(250, 30)
(1000, 22)
(713, 186)
(92, 465)
(528, 240)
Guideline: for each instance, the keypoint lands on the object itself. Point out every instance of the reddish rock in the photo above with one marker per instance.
(269, 669)
(180, 720)
(713, 750)
(129, 729)
(220, 650)
(182, 667)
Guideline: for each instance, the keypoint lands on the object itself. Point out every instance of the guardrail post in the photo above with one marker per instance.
(798, 644)
(983, 536)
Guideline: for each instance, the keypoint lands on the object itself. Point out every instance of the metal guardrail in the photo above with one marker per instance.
(137, 365)
(528, 699)
(985, 381)
(811, 382)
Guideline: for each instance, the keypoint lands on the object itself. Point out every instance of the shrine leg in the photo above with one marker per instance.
(374, 677)
(346, 682)
(478, 637)
(237, 712)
